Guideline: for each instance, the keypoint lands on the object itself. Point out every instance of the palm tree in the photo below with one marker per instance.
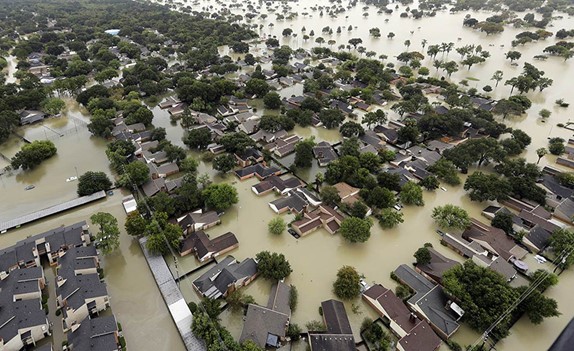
(541, 152)
(407, 44)
(424, 43)
(497, 76)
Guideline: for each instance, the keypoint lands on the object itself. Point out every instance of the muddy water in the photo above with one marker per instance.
(314, 269)
(78, 152)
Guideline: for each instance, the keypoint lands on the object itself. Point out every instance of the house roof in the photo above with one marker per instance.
(279, 298)
(420, 338)
(96, 334)
(261, 323)
(258, 169)
(215, 282)
(203, 245)
(565, 210)
(294, 201)
(432, 305)
(539, 237)
(345, 190)
(331, 342)
(393, 307)
(325, 153)
(414, 280)
(534, 219)
(493, 239)
(437, 266)
(335, 316)
(277, 183)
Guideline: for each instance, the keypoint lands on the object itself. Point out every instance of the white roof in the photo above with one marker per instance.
(130, 205)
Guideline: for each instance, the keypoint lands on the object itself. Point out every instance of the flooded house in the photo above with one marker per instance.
(323, 217)
(414, 334)
(339, 335)
(30, 117)
(267, 325)
(430, 302)
(99, 333)
(80, 293)
(436, 267)
(296, 201)
(205, 248)
(225, 277)
(276, 184)
(197, 220)
(23, 322)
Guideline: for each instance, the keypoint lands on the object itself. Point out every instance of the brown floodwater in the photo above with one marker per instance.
(316, 258)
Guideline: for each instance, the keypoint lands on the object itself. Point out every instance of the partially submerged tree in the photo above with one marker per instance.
(108, 236)
(451, 216)
(347, 286)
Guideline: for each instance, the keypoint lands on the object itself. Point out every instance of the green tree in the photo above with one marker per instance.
(272, 266)
(537, 306)
(378, 117)
(544, 113)
(556, 146)
(423, 256)
(135, 174)
(483, 294)
(294, 332)
(293, 298)
(236, 142)
(378, 197)
(503, 220)
(543, 279)
(390, 218)
(347, 285)
(197, 138)
(412, 194)
(92, 182)
(220, 197)
(451, 216)
(541, 152)
(446, 171)
(358, 209)
(272, 100)
(430, 183)
(331, 118)
(350, 129)
(483, 187)
(224, 163)
(356, 230)
(304, 153)
(135, 224)
(562, 242)
(257, 87)
(108, 236)
(53, 106)
(276, 226)
(237, 300)
(31, 155)
(330, 195)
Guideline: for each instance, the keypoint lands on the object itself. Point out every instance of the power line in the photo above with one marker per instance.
(532, 287)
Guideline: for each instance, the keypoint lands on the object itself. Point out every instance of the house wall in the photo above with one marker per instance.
(77, 316)
(29, 296)
(13, 345)
(423, 316)
(395, 328)
(86, 271)
(233, 247)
